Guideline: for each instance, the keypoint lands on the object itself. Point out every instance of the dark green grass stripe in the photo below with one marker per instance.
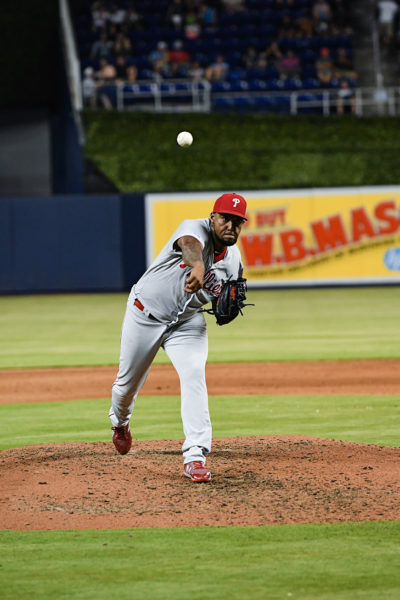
(344, 561)
(358, 418)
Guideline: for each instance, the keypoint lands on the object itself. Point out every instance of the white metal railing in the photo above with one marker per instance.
(178, 95)
(72, 62)
(164, 96)
(376, 53)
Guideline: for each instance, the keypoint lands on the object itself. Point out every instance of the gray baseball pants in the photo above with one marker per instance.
(186, 344)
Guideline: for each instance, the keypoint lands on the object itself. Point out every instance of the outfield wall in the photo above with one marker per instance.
(71, 243)
(327, 236)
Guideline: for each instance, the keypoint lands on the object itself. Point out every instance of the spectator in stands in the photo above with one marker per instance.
(322, 15)
(159, 58)
(107, 73)
(304, 25)
(346, 100)
(106, 76)
(178, 55)
(131, 74)
(289, 66)
(287, 28)
(101, 48)
(133, 19)
(195, 71)
(321, 11)
(100, 16)
(324, 67)
(117, 15)
(191, 25)
(233, 6)
(270, 57)
(175, 14)
(120, 68)
(89, 88)
(343, 65)
(387, 10)
(122, 45)
(250, 57)
(208, 17)
(218, 70)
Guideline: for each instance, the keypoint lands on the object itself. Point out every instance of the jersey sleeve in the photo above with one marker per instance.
(235, 265)
(193, 228)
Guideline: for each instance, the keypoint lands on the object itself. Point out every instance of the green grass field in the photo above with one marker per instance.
(158, 417)
(314, 324)
(343, 561)
(302, 562)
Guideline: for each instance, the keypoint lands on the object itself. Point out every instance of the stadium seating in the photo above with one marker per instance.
(244, 88)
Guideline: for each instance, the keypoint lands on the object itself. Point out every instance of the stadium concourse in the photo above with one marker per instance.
(248, 54)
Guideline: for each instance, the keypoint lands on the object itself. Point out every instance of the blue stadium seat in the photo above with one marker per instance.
(145, 88)
(239, 85)
(220, 86)
(223, 104)
(168, 87)
(275, 84)
(292, 84)
(311, 83)
(236, 74)
(257, 85)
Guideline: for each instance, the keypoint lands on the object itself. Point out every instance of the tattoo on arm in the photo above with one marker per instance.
(191, 250)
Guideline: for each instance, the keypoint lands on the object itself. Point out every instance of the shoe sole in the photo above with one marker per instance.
(203, 480)
(119, 451)
(122, 453)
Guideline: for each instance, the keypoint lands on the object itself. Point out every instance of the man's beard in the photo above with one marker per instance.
(221, 240)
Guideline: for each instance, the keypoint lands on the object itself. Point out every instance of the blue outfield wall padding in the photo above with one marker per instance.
(133, 238)
(66, 243)
(6, 243)
(91, 250)
(71, 243)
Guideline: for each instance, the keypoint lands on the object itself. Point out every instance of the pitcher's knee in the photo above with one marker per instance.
(193, 373)
(123, 392)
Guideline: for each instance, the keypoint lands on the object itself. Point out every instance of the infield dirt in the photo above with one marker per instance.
(311, 377)
(256, 480)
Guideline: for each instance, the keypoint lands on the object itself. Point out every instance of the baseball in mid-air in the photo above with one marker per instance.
(184, 139)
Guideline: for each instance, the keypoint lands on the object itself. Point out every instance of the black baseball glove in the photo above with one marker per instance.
(230, 301)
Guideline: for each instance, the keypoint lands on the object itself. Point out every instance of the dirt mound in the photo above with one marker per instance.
(256, 481)
(311, 377)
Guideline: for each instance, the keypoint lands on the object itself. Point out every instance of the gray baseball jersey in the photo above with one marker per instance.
(160, 289)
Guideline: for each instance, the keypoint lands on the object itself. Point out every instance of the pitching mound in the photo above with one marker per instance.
(256, 481)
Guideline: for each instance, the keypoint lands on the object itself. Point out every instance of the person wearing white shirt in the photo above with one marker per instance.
(387, 10)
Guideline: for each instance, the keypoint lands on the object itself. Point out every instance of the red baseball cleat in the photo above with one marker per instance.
(196, 471)
(122, 438)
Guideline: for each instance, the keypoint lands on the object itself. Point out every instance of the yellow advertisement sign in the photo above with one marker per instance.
(298, 237)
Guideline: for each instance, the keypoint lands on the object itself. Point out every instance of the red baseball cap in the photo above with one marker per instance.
(231, 204)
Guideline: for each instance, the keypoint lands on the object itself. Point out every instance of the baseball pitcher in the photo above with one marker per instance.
(199, 264)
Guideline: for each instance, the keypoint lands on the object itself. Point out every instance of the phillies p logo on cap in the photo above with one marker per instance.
(231, 204)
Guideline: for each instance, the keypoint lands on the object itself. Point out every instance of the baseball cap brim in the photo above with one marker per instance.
(231, 212)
